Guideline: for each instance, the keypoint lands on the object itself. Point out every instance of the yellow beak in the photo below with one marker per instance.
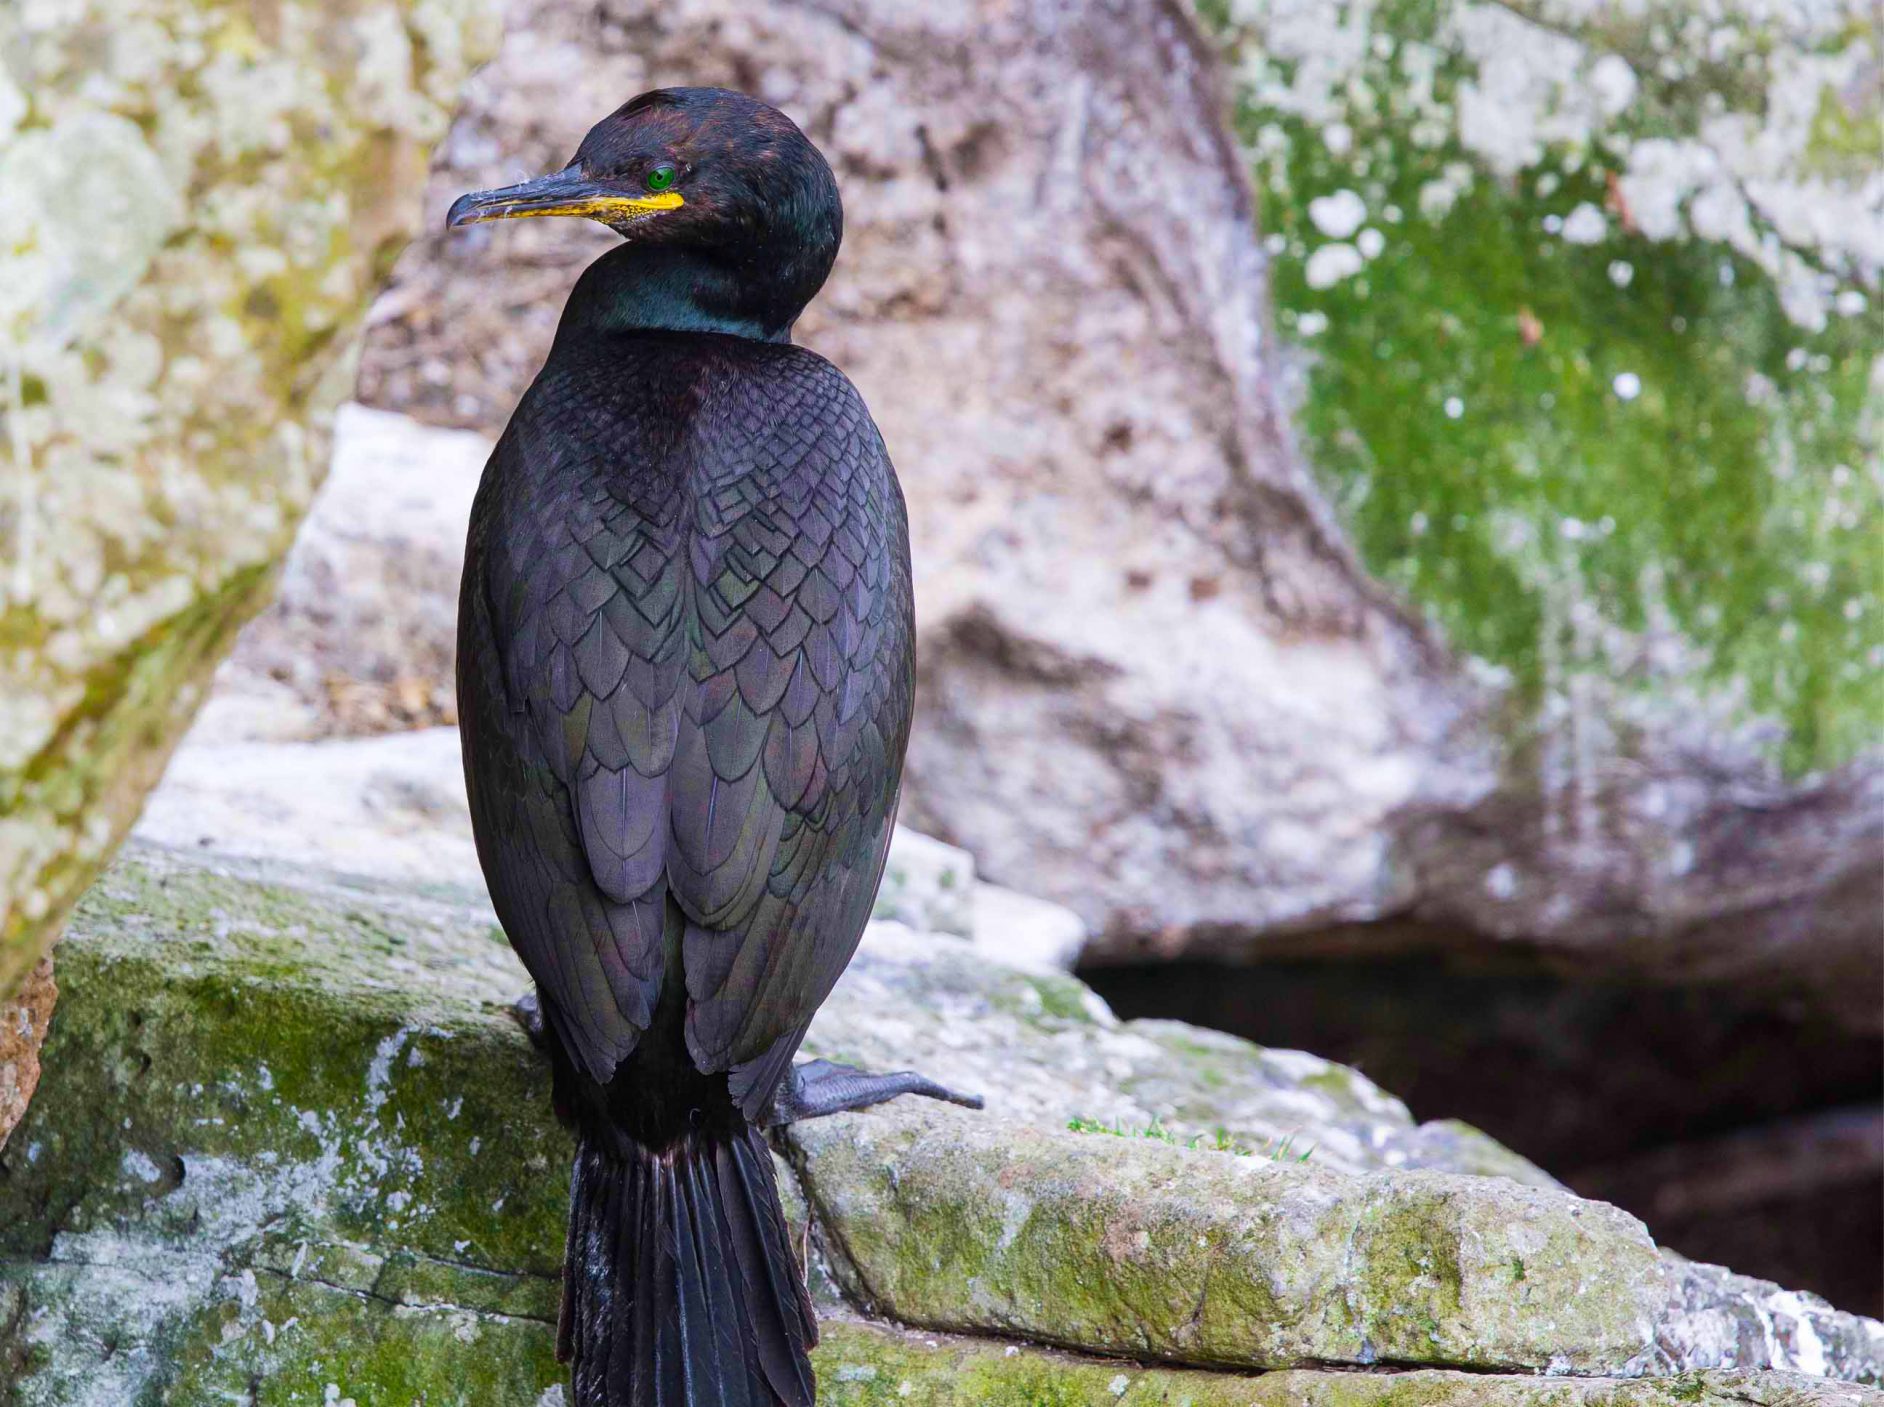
(566, 192)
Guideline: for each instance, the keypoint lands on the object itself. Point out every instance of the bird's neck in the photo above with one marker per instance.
(642, 287)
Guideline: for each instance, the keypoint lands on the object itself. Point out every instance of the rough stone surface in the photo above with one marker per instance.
(1155, 685)
(1720, 1318)
(291, 1144)
(975, 1224)
(928, 885)
(270, 1116)
(23, 1022)
(388, 808)
(197, 200)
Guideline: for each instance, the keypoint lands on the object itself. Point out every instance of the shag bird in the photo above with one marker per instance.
(685, 669)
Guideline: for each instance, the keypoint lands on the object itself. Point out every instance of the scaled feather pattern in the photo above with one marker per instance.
(691, 624)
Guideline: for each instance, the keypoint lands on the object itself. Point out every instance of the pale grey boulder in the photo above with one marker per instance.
(362, 633)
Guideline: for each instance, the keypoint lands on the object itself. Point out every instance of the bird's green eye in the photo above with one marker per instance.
(660, 178)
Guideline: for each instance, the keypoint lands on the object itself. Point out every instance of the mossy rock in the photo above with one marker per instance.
(279, 1143)
(291, 1147)
(1199, 1256)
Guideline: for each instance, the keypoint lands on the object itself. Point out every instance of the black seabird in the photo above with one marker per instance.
(685, 669)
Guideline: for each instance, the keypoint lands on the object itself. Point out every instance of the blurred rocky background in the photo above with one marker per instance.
(1395, 490)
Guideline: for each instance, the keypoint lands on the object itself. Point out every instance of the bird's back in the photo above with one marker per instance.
(685, 667)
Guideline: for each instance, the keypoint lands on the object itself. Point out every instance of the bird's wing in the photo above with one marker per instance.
(784, 781)
(571, 663)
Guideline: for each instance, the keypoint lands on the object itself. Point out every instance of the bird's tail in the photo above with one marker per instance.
(679, 1284)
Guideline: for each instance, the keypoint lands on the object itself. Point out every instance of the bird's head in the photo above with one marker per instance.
(707, 172)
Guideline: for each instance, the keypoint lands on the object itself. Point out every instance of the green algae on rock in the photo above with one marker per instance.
(279, 1142)
(1591, 302)
(197, 200)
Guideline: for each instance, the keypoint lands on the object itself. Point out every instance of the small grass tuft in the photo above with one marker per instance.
(1220, 1141)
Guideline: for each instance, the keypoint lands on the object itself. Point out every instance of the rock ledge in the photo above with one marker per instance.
(289, 1144)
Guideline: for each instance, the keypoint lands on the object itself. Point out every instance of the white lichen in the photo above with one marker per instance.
(1549, 81)
(1332, 263)
(1339, 215)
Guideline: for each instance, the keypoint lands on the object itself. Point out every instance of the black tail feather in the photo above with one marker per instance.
(679, 1284)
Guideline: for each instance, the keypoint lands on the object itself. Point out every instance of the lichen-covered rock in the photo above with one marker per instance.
(1591, 300)
(253, 1142)
(291, 1145)
(197, 200)
(1588, 299)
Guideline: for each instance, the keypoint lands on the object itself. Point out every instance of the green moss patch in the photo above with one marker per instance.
(1590, 454)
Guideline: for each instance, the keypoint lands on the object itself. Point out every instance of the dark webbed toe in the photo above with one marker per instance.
(820, 1087)
(527, 1012)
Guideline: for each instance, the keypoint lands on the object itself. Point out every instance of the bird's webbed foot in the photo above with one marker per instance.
(527, 1012)
(819, 1087)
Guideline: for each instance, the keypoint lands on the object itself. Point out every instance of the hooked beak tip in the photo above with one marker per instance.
(465, 210)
